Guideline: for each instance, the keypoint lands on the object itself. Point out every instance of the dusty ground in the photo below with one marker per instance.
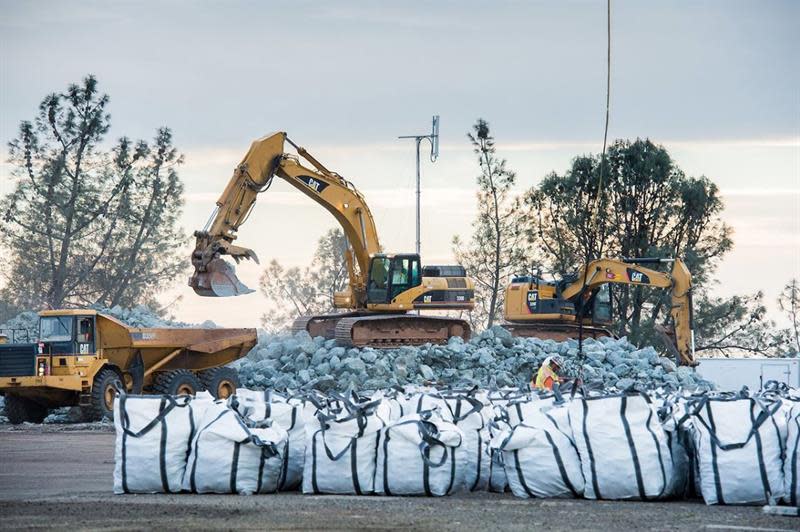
(59, 477)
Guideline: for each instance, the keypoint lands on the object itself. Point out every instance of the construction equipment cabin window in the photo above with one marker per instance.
(85, 335)
(405, 274)
(602, 305)
(378, 279)
(55, 329)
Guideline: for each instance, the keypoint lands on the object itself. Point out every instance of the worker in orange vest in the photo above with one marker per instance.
(548, 374)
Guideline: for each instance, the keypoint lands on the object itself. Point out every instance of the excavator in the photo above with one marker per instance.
(558, 309)
(383, 288)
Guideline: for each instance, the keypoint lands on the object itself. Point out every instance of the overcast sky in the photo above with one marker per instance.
(717, 83)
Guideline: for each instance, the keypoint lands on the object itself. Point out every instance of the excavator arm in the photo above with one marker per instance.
(266, 159)
(629, 271)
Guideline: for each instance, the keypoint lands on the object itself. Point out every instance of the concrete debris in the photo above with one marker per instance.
(492, 358)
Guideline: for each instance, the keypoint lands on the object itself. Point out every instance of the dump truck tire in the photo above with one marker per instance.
(19, 410)
(103, 394)
(221, 382)
(177, 382)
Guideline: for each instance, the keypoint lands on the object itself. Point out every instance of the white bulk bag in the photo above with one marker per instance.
(540, 460)
(497, 473)
(623, 449)
(417, 456)
(229, 457)
(473, 452)
(739, 449)
(791, 466)
(341, 452)
(257, 406)
(154, 433)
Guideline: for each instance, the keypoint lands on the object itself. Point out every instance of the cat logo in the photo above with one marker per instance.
(427, 299)
(533, 300)
(313, 183)
(638, 277)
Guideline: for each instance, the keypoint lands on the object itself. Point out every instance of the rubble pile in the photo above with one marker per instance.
(493, 358)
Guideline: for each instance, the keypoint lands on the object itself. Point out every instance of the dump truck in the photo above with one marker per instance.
(82, 356)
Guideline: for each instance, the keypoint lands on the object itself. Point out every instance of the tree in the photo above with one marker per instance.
(294, 292)
(498, 246)
(789, 302)
(87, 225)
(644, 205)
(734, 325)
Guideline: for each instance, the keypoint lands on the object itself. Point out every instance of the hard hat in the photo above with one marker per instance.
(556, 360)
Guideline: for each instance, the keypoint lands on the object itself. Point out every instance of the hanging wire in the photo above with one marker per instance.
(592, 222)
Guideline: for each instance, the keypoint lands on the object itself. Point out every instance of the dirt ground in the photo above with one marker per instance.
(61, 477)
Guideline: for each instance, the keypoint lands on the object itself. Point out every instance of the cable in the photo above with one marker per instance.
(587, 259)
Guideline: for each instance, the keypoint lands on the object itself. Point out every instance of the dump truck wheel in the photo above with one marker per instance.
(177, 382)
(103, 394)
(221, 382)
(19, 410)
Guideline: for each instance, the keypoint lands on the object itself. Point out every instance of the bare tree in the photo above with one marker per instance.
(294, 292)
(498, 246)
(789, 302)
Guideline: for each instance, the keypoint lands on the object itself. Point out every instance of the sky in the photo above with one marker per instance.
(716, 82)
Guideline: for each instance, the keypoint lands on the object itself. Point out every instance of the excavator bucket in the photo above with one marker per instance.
(219, 280)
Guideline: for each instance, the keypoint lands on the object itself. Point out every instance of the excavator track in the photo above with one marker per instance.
(394, 330)
(555, 331)
(322, 324)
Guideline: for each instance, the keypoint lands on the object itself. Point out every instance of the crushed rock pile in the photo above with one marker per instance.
(493, 358)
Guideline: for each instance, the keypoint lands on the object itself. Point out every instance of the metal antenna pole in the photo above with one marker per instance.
(433, 138)
(419, 194)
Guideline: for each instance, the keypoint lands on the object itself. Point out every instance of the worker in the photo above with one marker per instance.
(548, 373)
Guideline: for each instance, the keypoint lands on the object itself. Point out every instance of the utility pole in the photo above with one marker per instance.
(433, 138)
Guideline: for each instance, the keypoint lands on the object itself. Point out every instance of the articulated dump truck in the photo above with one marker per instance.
(81, 356)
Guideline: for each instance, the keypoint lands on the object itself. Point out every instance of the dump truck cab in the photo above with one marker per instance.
(81, 356)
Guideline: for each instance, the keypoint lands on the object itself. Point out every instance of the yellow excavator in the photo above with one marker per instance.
(382, 288)
(551, 309)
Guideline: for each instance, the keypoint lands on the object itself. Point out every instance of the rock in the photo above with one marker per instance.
(625, 384)
(504, 335)
(427, 372)
(368, 356)
(667, 364)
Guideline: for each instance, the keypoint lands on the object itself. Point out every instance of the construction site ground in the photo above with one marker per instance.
(60, 476)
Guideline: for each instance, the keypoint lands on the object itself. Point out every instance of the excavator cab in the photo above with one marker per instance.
(391, 275)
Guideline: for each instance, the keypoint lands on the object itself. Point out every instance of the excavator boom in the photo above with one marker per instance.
(382, 288)
(266, 158)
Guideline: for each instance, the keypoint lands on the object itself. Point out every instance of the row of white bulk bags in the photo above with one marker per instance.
(622, 447)
(257, 406)
(341, 451)
(153, 440)
(229, 457)
(418, 455)
(739, 446)
(539, 459)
